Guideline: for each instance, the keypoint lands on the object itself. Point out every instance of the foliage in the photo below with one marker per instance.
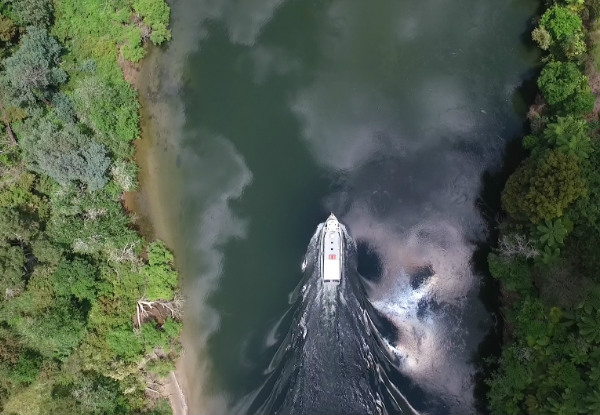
(8, 29)
(71, 262)
(565, 31)
(160, 367)
(32, 71)
(550, 359)
(565, 88)
(63, 108)
(110, 110)
(543, 187)
(160, 277)
(514, 274)
(156, 14)
(124, 343)
(542, 37)
(75, 278)
(64, 153)
(553, 365)
(132, 49)
(561, 23)
(570, 135)
(32, 12)
(553, 233)
(53, 333)
(12, 260)
(26, 370)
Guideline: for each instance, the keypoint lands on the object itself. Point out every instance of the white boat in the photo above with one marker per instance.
(332, 251)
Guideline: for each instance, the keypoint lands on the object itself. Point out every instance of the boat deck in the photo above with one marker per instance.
(332, 251)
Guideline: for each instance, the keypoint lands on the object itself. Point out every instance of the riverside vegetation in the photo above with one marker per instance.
(88, 308)
(547, 258)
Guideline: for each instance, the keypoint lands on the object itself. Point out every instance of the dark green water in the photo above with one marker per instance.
(267, 115)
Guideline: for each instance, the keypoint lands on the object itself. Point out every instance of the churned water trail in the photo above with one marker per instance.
(266, 115)
(333, 360)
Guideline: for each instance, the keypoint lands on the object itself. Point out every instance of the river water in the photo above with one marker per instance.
(264, 116)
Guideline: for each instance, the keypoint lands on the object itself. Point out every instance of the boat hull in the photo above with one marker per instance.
(332, 251)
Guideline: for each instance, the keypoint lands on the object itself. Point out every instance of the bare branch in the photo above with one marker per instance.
(517, 245)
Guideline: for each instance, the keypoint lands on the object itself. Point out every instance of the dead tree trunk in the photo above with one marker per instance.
(155, 310)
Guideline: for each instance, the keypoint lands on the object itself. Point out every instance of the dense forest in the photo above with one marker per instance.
(88, 308)
(547, 258)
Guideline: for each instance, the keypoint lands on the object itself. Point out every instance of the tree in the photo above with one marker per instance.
(570, 135)
(161, 278)
(110, 110)
(553, 233)
(8, 30)
(32, 12)
(124, 343)
(561, 23)
(64, 153)
(12, 261)
(156, 16)
(75, 278)
(15, 227)
(55, 332)
(560, 30)
(33, 69)
(542, 37)
(514, 273)
(565, 88)
(542, 187)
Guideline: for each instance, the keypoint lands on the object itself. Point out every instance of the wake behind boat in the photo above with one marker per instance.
(332, 251)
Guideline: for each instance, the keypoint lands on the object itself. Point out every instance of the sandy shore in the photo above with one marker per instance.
(145, 205)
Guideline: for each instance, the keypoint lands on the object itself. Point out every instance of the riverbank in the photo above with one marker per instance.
(545, 259)
(146, 204)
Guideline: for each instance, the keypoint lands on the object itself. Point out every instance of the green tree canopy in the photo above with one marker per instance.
(156, 15)
(560, 30)
(12, 260)
(561, 23)
(32, 12)
(569, 134)
(64, 153)
(8, 30)
(75, 278)
(33, 70)
(160, 276)
(542, 187)
(565, 88)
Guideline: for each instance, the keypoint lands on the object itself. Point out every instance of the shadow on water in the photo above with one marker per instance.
(369, 264)
(490, 206)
